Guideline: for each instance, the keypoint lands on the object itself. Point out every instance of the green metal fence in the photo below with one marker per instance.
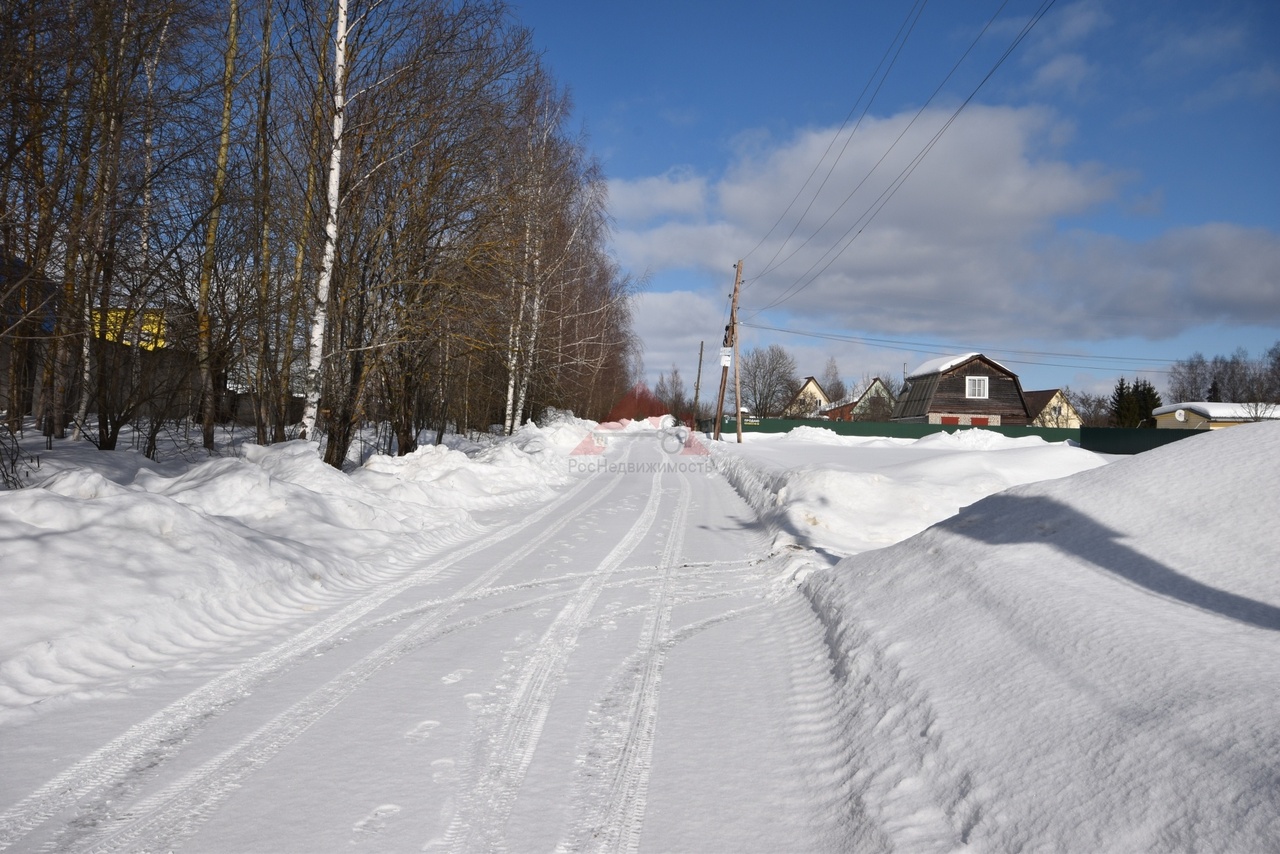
(1120, 440)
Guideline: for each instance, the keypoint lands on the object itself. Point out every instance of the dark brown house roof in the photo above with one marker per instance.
(938, 386)
(1038, 400)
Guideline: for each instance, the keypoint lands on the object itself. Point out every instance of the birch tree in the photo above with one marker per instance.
(319, 313)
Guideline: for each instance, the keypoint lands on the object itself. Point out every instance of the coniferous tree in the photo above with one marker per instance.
(1132, 405)
(1146, 400)
(1124, 408)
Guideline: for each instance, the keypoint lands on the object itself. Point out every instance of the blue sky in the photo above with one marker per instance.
(1106, 202)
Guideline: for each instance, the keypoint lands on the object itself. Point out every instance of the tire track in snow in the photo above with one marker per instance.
(178, 811)
(819, 732)
(480, 821)
(614, 813)
(101, 776)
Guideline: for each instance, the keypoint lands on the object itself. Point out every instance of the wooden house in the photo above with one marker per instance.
(968, 389)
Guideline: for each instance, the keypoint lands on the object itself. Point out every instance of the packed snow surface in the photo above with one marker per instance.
(592, 637)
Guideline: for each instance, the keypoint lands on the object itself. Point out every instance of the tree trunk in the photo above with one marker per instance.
(319, 318)
(204, 352)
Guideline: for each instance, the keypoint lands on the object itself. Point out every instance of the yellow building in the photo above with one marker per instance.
(129, 326)
(1050, 408)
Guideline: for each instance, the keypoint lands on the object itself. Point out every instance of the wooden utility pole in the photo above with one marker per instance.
(697, 385)
(731, 348)
(733, 321)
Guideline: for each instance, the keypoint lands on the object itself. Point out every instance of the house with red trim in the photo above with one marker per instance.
(964, 390)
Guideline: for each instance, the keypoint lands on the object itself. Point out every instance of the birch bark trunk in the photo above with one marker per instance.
(319, 317)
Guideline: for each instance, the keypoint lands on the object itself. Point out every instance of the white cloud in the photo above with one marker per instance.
(1262, 81)
(968, 249)
(1179, 51)
(671, 324)
(1066, 72)
(1078, 21)
(676, 193)
(1212, 273)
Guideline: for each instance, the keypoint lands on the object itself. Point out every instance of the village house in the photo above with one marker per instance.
(968, 389)
(1050, 408)
(807, 401)
(874, 404)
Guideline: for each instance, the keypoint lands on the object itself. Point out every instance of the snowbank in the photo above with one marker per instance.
(114, 567)
(1090, 663)
(846, 494)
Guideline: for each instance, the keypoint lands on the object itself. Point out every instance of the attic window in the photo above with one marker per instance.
(975, 388)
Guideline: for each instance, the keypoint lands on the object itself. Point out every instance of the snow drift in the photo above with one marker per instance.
(115, 568)
(842, 495)
(1090, 663)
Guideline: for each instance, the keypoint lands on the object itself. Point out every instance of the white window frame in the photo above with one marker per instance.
(977, 388)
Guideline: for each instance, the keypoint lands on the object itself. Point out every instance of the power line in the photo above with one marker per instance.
(1020, 357)
(859, 225)
(955, 67)
(909, 25)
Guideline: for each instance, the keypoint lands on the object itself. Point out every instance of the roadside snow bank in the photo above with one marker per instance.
(848, 494)
(103, 581)
(1090, 663)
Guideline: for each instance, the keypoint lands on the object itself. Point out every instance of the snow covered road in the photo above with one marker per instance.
(805, 643)
(504, 695)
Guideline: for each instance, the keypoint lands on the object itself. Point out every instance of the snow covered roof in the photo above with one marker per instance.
(946, 363)
(1224, 411)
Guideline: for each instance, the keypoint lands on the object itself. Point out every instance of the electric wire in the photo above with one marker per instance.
(909, 25)
(1020, 357)
(868, 215)
(955, 67)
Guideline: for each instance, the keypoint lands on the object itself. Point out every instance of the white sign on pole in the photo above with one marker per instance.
(726, 357)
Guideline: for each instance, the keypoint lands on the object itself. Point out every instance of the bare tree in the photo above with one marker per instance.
(1235, 379)
(1094, 409)
(1190, 379)
(671, 391)
(203, 320)
(831, 382)
(444, 261)
(319, 313)
(769, 380)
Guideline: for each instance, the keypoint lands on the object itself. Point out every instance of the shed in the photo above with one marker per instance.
(1207, 415)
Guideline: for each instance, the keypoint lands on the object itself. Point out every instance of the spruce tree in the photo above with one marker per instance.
(1146, 400)
(1124, 406)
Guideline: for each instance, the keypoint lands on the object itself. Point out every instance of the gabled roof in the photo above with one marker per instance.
(946, 363)
(855, 402)
(1038, 400)
(804, 386)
